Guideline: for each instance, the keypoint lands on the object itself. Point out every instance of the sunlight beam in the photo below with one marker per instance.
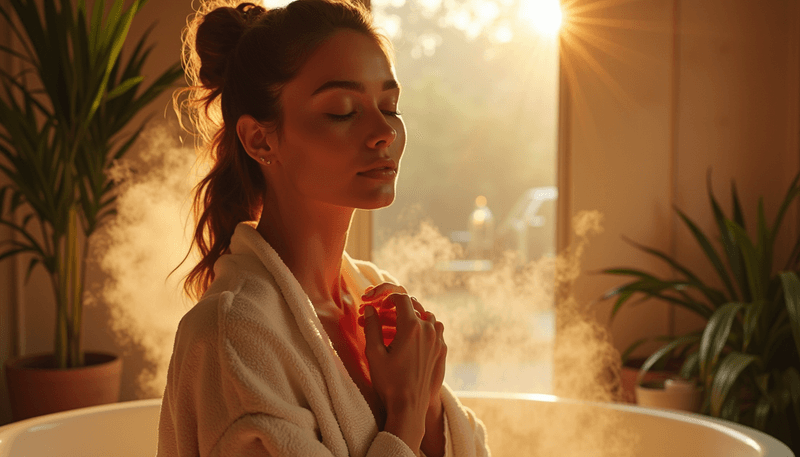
(544, 16)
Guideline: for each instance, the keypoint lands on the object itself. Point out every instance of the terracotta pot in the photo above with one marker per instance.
(672, 394)
(36, 388)
(630, 371)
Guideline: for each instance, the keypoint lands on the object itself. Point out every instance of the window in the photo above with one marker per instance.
(472, 230)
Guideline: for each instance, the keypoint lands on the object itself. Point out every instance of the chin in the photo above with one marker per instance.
(376, 203)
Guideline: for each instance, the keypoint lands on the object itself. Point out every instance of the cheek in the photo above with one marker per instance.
(400, 128)
(314, 139)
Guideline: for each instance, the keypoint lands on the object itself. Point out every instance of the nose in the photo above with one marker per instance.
(383, 134)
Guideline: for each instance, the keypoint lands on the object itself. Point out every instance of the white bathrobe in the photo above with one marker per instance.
(253, 372)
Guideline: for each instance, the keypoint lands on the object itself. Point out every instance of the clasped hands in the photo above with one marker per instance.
(405, 349)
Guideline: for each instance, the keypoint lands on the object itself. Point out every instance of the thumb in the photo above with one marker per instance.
(373, 331)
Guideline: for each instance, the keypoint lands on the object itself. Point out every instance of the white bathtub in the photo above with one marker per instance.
(519, 425)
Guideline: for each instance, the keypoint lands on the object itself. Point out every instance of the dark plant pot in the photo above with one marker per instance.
(36, 388)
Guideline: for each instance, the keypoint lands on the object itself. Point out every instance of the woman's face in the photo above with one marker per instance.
(340, 119)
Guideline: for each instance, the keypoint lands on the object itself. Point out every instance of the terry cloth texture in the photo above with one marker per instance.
(253, 372)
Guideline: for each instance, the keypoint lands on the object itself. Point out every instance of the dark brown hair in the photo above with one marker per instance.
(237, 60)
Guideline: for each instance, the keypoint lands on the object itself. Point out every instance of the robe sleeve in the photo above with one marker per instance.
(237, 386)
(262, 435)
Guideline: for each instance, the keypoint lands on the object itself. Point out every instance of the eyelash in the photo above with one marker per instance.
(344, 117)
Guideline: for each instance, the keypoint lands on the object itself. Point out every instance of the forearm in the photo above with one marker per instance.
(433, 441)
(405, 424)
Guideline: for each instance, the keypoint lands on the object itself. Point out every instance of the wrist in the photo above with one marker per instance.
(407, 426)
(433, 442)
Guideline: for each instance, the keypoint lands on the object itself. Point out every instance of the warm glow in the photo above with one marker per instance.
(480, 201)
(543, 15)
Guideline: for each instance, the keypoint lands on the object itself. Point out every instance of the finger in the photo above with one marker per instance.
(418, 306)
(386, 319)
(381, 303)
(439, 329)
(404, 307)
(380, 291)
(372, 331)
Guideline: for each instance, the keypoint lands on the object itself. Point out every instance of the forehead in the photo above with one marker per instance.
(349, 56)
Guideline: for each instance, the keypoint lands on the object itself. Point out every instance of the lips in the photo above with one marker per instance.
(381, 173)
(383, 165)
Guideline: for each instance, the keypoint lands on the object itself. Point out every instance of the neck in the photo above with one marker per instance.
(310, 239)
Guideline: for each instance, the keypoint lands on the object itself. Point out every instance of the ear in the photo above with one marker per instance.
(253, 136)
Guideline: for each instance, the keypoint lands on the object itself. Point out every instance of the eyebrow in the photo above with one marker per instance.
(353, 85)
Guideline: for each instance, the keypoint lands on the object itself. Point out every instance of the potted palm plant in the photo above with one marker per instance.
(746, 360)
(63, 122)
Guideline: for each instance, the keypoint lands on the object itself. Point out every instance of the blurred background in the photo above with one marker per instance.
(521, 114)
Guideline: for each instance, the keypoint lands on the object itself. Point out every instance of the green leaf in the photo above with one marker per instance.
(715, 296)
(691, 366)
(31, 265)
(752, 315)
(123, 87)
(775, 338)
(711, 254)
(726, 237)
(791, 291)
(663, 352)
(791, 194)
(725, 376)
(738, 215)
(752, 261)
(761, 414)
(730, 409)
(715, 337)
(16, 54)
(794, 257)
(95, 24)
(764, 247)
(655, 289)
(791, 378)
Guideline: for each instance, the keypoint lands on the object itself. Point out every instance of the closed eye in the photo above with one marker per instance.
(344, 117)
(341, 117)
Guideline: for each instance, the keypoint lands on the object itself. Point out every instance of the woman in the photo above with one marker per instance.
(272, 360)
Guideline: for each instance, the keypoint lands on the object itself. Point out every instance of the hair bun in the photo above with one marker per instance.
(217, 37)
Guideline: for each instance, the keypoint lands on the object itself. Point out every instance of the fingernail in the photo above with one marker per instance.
(369, 311)
(369, 293)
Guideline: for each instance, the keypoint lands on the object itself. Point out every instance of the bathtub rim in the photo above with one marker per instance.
(752, 436)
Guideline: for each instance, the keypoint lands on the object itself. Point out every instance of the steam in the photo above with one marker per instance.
(496, 326)
(501, 324)
(146, 240)
(514, 328)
